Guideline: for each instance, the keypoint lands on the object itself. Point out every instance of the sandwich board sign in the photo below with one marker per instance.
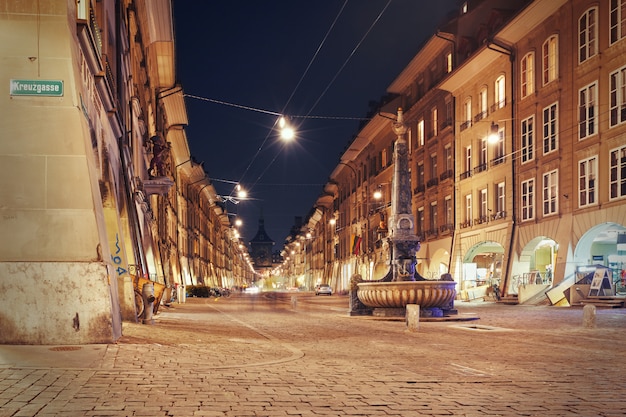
(601, 282)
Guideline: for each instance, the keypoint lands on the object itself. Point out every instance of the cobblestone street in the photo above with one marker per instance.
(254, 356)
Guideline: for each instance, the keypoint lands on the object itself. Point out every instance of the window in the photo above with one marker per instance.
(434, 121)
(587, 35)
(617, 19)
(587, 101)
(383, 158)
(550, 192)
(550, 59)
(482, 103)
(617, 97)
(550, 129)
(499, 156)
(467, 114)
(433, 216)
(448, 62)
(468, 159)
(420, 133)
(483, 205)
(420, 221)
(527, 74)
(433, 166)
(420, 174)
(528, 199)
(617, 173)
(500, 199)
(500, 92)
(449, 112)
(448, 209)
(482, 156)
(587, 169)
(447, 151)
(468, 209)
(528, 139)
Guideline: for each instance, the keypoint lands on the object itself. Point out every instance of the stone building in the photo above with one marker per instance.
(99, 193)
(535, 209)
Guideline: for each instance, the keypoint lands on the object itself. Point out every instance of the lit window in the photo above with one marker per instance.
(500, 198)
(420, 133)
(482, 102)
(449, 63)
(483, 205)
(468, 208)
(500, 92)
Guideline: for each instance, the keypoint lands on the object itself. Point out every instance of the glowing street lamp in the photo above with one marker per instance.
(287, 132)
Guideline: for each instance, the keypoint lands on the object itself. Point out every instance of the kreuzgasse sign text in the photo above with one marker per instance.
(53, 88)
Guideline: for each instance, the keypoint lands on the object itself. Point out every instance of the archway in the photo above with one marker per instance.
(604, 244)
(535, 265)
(482, 267)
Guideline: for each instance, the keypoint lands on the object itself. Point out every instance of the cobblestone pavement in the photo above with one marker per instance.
(252, 356)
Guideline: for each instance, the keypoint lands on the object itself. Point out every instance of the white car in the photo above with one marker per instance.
(323, 289)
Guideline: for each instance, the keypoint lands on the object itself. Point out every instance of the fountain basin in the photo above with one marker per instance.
(426, 294)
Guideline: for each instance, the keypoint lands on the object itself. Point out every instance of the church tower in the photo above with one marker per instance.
(261, 247)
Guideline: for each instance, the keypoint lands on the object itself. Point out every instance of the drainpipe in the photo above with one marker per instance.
(506, 50)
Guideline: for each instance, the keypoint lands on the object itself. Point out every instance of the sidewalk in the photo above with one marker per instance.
(246, 356)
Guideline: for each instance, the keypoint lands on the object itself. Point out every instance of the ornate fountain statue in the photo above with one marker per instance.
(402, 285)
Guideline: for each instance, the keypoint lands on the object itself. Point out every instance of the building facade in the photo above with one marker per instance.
(517, 151)
(100, 194)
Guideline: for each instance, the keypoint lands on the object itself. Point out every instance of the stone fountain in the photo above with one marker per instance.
(390, 295)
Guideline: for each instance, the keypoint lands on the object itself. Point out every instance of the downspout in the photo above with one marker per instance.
(503, 49)
(454, 202)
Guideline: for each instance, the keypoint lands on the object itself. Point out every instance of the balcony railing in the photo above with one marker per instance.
(498, 160)
(419, 189)
(432, 182)
(466, 174)
(498, 215)
(466, 224)
(446, 174)
(465, 125)
(480, 116)
(480, 168)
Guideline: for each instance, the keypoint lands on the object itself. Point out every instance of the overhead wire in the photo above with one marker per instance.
(336, 74)
(290, 97)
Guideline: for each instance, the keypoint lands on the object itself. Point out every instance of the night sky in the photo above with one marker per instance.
(247, 61)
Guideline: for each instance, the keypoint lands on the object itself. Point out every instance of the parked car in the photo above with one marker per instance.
(323, 289)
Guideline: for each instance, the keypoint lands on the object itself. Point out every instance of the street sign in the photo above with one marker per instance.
(47, 88)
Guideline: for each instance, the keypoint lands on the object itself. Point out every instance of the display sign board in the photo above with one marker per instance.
(47, 88)
(601, 282)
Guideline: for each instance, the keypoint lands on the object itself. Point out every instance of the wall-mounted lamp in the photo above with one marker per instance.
(493, 133)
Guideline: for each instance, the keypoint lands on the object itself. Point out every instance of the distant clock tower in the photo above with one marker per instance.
(261, 247)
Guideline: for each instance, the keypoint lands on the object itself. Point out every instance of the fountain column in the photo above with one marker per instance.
(404, 243)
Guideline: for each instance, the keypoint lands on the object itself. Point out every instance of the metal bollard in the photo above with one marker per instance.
(412, 317)
(147, 292)
(294, 302)
(589, 316)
